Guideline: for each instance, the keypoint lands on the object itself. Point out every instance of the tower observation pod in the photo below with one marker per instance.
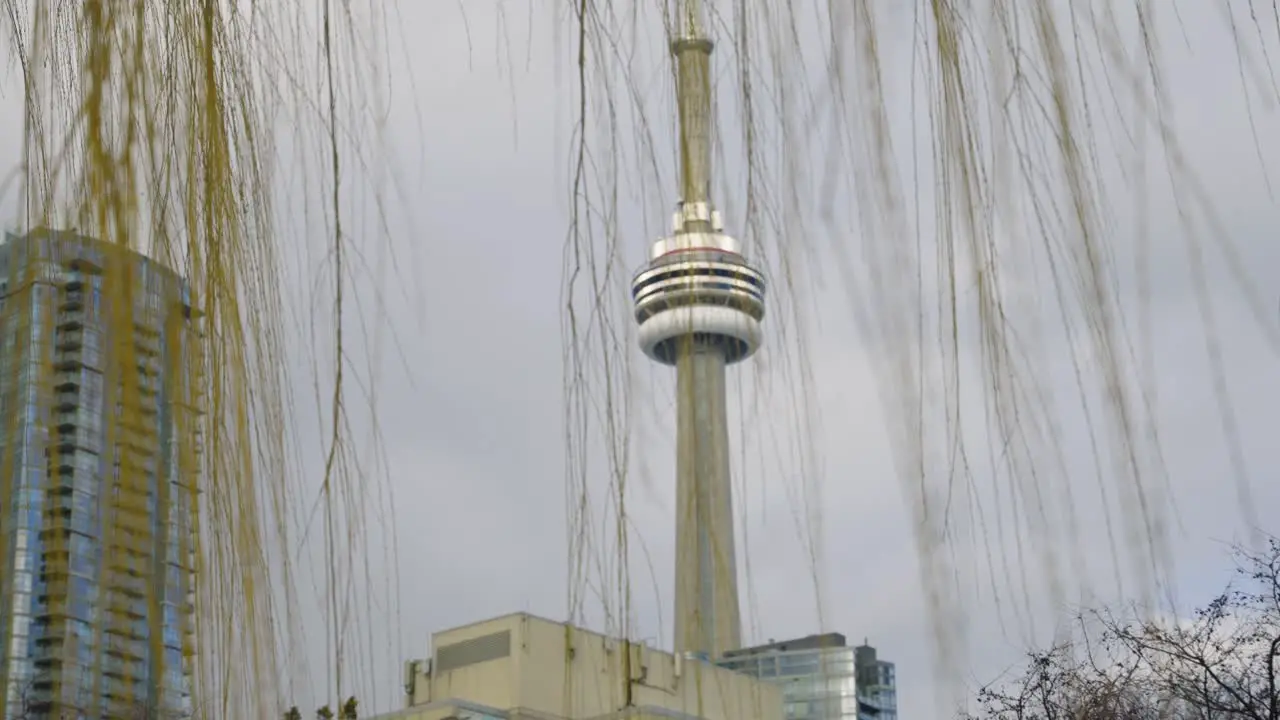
(699, 289)
(699, 306)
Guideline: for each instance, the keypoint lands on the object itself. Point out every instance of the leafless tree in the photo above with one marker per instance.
(1220, 664)
(24, 706)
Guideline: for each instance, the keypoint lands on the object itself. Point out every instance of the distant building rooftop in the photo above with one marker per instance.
(808, 642)
(521, 666)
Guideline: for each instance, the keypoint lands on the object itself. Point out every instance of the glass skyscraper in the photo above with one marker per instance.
(822, 678)
(98, 462)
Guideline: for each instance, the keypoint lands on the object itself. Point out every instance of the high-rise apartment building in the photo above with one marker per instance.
(822, 678)
(98, 458)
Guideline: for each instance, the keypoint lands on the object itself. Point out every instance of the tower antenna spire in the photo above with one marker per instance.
(691, 19)
(692, 51)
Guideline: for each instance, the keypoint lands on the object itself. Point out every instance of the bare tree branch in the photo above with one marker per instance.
(1220, 664)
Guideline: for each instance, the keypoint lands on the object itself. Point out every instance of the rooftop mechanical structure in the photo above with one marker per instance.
(699, 306)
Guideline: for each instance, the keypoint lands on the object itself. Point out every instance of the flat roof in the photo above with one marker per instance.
(808, 642)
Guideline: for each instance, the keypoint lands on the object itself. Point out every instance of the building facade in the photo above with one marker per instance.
(877, 684)
(98, 461)
(522, 667)
(822, 678)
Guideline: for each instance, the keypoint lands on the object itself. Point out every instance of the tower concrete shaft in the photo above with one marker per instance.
(707, 620)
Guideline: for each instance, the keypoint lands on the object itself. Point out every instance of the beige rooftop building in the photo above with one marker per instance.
(522, 667)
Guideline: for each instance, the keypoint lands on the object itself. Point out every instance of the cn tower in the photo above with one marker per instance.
(699, 306)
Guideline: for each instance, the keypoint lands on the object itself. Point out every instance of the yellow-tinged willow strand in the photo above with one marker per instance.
(151, 128)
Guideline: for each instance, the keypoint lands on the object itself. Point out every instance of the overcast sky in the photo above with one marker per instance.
(471, 402)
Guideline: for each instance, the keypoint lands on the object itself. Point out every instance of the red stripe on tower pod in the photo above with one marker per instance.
(700, 248)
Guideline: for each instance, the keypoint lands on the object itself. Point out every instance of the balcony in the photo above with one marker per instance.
(67, 421)
(67, 381)
(68, 360)
(68, 321)
(147, 341)
(124, 650)
(139, 428)
(132, 465)
(133, 586)
(71, 302)
(72, 340)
